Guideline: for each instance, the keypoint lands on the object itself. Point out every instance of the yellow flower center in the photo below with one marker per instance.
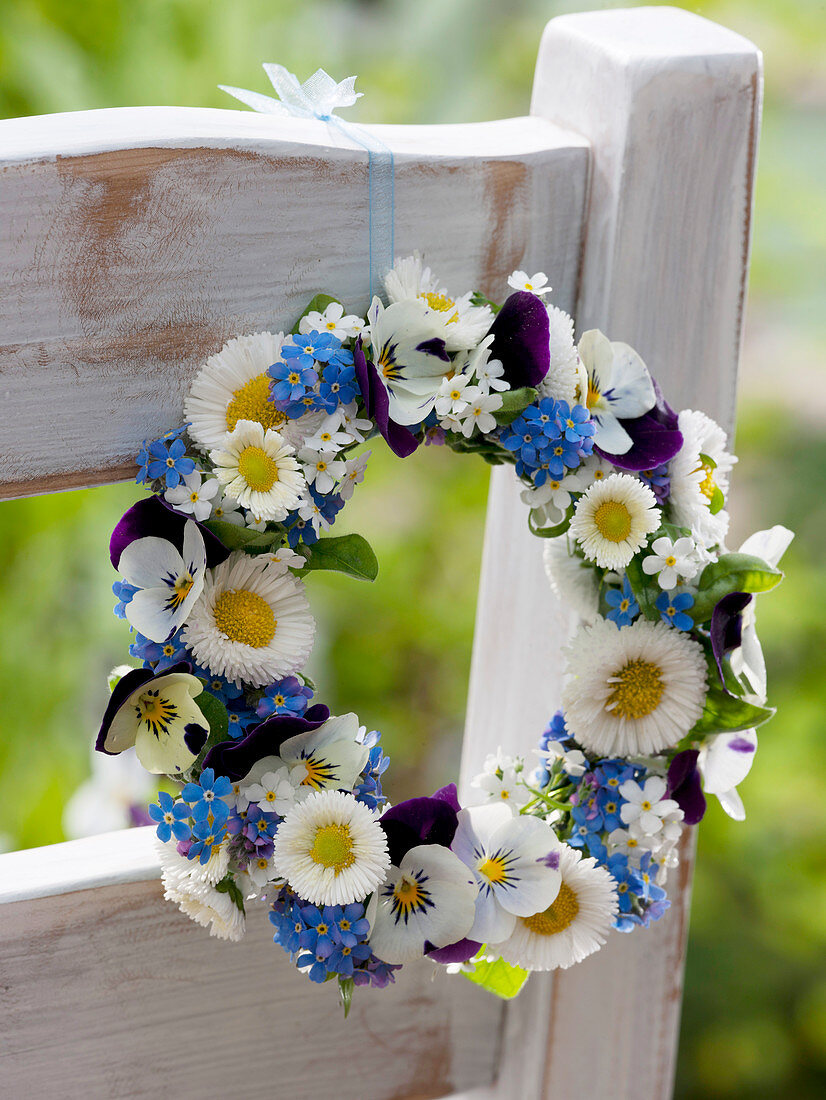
(670, 560)
(156, 712)
(442, 304)
(494, 869)
(333, 847)
(180, 590)
(708, 486)
(645, 805)
(592, 396)
(245, 617)
(257, 468)
(557, 917)
(613, 521)
(250, 403)
(638, 689)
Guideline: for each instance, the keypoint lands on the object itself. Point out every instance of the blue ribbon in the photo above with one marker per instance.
(319, 97)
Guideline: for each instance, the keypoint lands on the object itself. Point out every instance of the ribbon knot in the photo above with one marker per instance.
(320, 97)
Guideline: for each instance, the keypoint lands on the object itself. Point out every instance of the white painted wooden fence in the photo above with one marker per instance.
(133, 243)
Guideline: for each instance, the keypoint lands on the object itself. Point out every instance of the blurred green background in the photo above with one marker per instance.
(754, 1021)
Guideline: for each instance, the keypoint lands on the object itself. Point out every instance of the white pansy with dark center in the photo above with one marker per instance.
(515, 863)
(429, 898)
(328, 758)
(724, 761)
(169, 582)
(619, 388)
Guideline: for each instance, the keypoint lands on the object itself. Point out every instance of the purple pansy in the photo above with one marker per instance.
(236, 758)
(154, 517)
(401, 441)
(684, 786)
(521, 340)
(727, 627)
(655, 438)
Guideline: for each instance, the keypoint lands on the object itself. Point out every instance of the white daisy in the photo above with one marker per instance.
(186, 884)
(258, 469)
(331, 849)
(571, 579)
(563, 382)
(169, 583)
(672, 561)
(573, 926)
(252, 623)
(334, 320)
(613, 519)
(535, 284)
(429, 898)
(193, 495)
(633, 691)
(462, 325)
(699, 474)
(619, 388)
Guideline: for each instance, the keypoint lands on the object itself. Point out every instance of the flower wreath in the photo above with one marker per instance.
(282, 801)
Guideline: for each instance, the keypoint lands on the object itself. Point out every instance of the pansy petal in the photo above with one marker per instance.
(632, 391)
(726, 760)
(148, 612)
(610, 435)
(146, 561)
(492, 923)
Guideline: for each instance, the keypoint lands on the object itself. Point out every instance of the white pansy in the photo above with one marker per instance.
(321, 468)
(429, 898)
(613, 519)
(353, 474)
(169, 583)
(672, 561)
(328, 758)
(619, 388)
(258, 469)
(333, 320)
(515, 863)
(331, 849)
(535, 284)
(747, 660)
(193, 495)
(647, 805)
(573, 926)
(252, 622)
(697, 472)
(724, 762)
(633, 691)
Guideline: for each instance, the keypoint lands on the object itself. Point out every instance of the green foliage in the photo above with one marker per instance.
(498, 977)
(514, 402)
(551, 532)
(235, 537)
(350, 554)
(732, 573)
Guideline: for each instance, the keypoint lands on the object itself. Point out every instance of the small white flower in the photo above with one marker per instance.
(261, 870)
(536, 284)
(353, 474)
(647, 804)
(276, 792)
(321, 468)
(227, 510)
(285, 559)
(613, 519)
(333, 320)
(573, 761)
(503, 786)
(593, 469)
(351, 423)
(255, 523)
(193, 495)
(479, 413)
(331, 849)
(553, 497)
(672, 561)
(627, 843)
(487, 372)
(451, 399)
(310, 512)
(329, 437)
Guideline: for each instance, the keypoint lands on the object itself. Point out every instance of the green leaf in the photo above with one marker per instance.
(477, 299)
(645, 592)
(235, 537)
(708, 461)
(717, 501)
(723, 713)
(350, 554)
(217, 718)
(499, 977)
(228, 885)
(317, 305)
(550, 532)
(515, 402)
(732, 573)
(345, 992)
